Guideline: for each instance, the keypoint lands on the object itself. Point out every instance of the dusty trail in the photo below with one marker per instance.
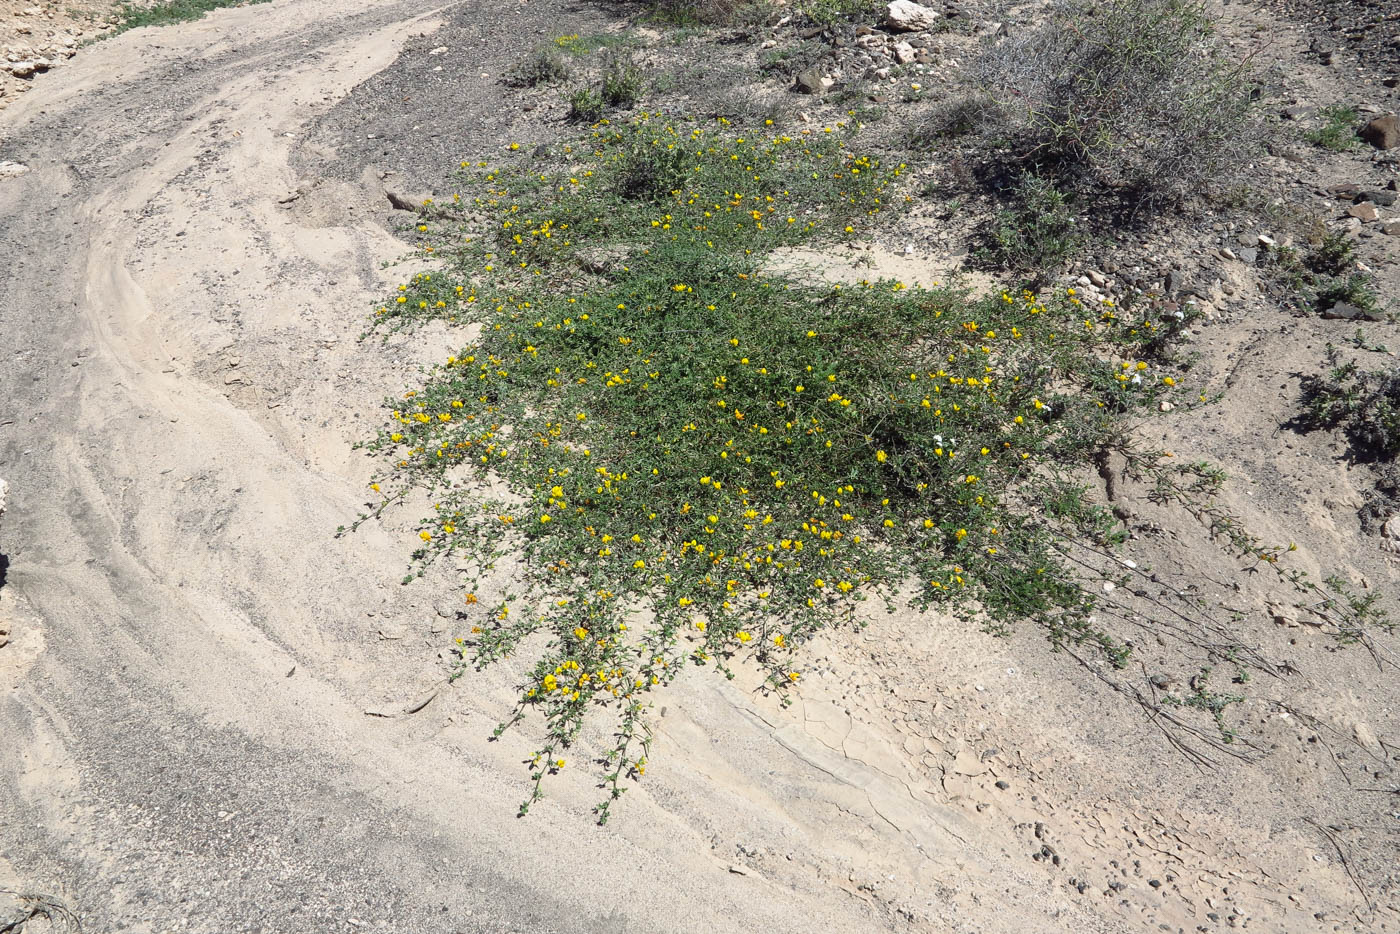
(183, 705)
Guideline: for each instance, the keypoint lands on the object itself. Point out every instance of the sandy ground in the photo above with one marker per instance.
(204, 698)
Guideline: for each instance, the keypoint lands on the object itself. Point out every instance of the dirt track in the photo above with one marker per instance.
(184, 702)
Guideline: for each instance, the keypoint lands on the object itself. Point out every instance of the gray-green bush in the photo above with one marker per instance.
(1134, 95)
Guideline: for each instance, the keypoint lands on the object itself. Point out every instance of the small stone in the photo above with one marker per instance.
(1249, 254)
(1345, 311)
(1098, 279)
(908, 16)
(1267, 242)
(1383, 132)
(12, 169)
(1364, 211)
(1227, 253)
(1385, 198)
(1366, 738)
(1003, 784)
(22, 69)
(904, 53)
(1390, 228)
(810, 82)
(1164, 406)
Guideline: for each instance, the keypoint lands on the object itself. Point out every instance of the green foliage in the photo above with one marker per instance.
(1325, 276)
(132, 16)
(702, 12)
(959, 116)
(622, 82)
(1202, 697)
(1131, 95)
(827, 12)
(789, 60)
(581, 45)
(1363, 404)
(545, 65)
(696, 461)
(1038, 231)
(585, 105)
(1338, 130)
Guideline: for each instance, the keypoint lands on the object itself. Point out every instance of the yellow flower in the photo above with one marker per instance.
(580, 633)
(881, 456)
(425, 535)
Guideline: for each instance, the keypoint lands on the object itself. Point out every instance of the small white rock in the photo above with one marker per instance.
(908, 16)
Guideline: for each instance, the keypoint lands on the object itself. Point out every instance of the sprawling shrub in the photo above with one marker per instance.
(1127, 94)
(1363, 404)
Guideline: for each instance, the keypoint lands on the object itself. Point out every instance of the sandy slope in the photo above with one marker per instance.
(184, 702)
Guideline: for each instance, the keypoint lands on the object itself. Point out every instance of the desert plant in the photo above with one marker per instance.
(698, 12)
(1037, 231)
(700, 461)
(545, 65)
(961, 115)
(1131, 95)
(789, 60)
(1363, 404)
(135, 15)
(826, 12)
(1338, 130)
(1323, 277)
(622, 82)
(585, 105)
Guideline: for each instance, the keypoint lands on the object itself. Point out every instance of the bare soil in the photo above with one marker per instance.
(206, 695)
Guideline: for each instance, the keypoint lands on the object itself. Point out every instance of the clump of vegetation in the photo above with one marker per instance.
(622, 86)
(1338, 130)
(1038, 231)
(545, 65)
(827, 12)
(1127, 95)
(585, 105)
(962, 115)
(700, 12)
(1325, 276)
(1363, 404)
(702, 462)
(132, 16)
(582, 45)
(789, 60)
(1203, 697)
(622, 82)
